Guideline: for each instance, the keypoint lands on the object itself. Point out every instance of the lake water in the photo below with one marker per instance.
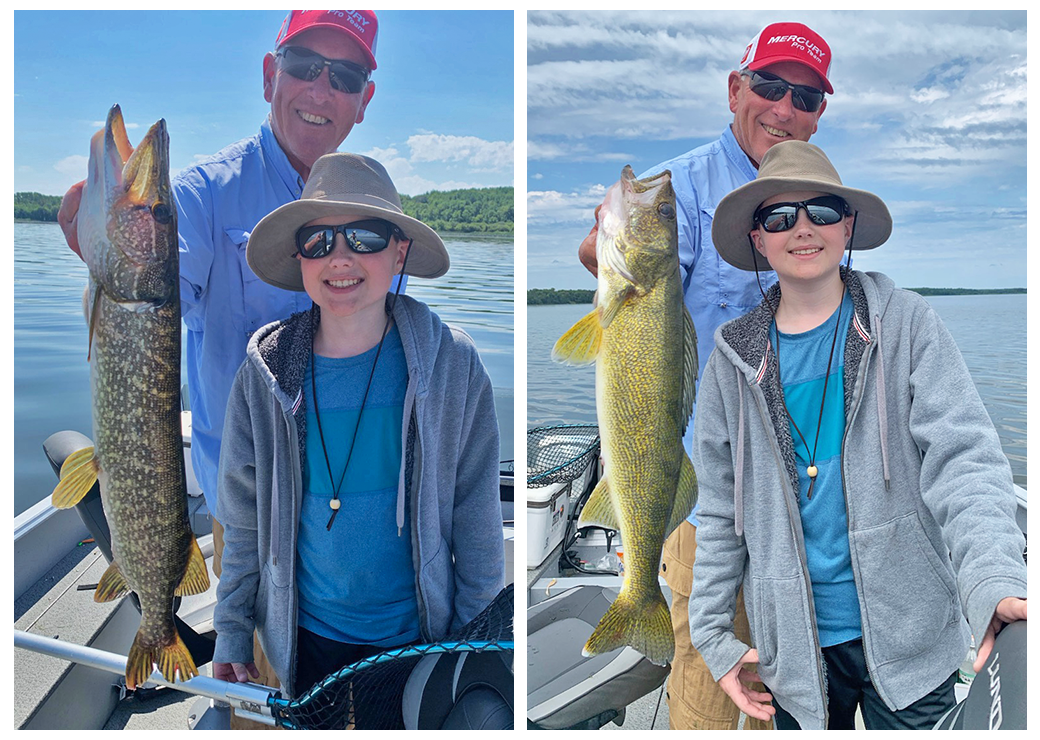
(52, 377)
(990, 331)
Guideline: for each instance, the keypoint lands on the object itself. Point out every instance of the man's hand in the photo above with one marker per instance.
(1008, 610)
(235, 672)
(752, 703)
(68, 215)
(587, 248)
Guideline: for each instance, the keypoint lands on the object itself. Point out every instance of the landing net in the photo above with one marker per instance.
(368, 694)
(559, 454)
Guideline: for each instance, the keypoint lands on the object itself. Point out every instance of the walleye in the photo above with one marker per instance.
(642, 339)
(127, 230)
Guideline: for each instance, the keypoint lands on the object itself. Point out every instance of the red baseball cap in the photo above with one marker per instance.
(360, 25)
(789, 42)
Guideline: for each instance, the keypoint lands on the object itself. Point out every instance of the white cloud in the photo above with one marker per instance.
(471, 150)
(74, 166)
(546, 207)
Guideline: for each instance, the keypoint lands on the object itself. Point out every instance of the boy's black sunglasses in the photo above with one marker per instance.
(304, 64)
(363, 237)
(822, 211)
(774, 88)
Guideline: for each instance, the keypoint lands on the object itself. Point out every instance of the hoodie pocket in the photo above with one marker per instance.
(777, 611)
(909, 592)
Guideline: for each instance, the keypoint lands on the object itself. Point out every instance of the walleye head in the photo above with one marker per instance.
(128, 222)
(638, 237)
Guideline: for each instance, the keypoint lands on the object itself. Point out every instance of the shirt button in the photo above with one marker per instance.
(723, 305)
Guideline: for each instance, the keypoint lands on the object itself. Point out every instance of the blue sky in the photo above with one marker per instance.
(929, 112)
(442, 116)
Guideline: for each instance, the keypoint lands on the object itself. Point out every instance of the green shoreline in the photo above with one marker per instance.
(554, 297)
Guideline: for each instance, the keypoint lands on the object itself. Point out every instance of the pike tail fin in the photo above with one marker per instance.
(171, 659)
(647, 627)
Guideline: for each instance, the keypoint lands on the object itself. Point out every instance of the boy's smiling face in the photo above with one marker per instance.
(807, 251)
(345, 283)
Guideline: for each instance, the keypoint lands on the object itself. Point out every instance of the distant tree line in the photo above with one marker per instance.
(36, 207)
(479, 211)
(551, 296)
(476, 210)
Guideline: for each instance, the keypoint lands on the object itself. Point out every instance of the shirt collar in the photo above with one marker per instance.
(737, 155)
(279, 162)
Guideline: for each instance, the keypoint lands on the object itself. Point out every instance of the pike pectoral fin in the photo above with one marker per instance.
(196, 578)
(580, 344)
(690, 365)
(90, 307)
(112, 585)
(685, 494)
(599, 510)
(78, 474)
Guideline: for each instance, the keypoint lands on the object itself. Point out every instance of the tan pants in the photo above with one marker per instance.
(695, 701)
(267, 674)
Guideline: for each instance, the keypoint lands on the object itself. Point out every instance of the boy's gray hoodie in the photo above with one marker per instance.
(450, 474)
(929, 496)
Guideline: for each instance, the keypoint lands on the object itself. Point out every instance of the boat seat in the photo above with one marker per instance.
(567, 690)
(57, 448)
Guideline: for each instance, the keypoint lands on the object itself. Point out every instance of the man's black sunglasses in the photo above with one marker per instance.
(363, 237)
(304, 64)
(823, 211)
(774, 88)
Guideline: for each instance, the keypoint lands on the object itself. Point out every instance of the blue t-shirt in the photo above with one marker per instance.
(803, 373)
(356, 582)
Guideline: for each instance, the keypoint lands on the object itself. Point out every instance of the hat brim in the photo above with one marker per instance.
(735, 214)
(271, 250)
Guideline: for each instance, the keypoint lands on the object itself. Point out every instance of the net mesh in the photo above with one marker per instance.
(368, 694)
(559, 454)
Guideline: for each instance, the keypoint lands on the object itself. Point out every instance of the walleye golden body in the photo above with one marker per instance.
(642, 339)
(127, 232)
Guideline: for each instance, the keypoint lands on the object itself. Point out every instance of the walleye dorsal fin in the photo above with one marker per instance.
(580, 344)
(112, 585)
(690, 369)
(599, 509)
(78, 474)
(196, 577)
(685, 492)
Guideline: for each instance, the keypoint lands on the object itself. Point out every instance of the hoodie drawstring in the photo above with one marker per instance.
(882, 405)
(738, 473)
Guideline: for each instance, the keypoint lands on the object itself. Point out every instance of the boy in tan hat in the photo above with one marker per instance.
(359, 465)
(850, 477)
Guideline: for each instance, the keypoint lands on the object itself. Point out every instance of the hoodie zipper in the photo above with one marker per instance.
(799, 541)
(294, 447)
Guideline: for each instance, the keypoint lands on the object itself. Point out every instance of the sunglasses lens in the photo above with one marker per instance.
(773, 88)
(823, 211)
(778, 218)
(363, 237)
(314, 241)
(347, 79)
(304, 64)
(366, 242)
(806, 99)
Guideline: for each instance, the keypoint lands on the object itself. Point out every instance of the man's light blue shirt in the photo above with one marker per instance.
(219, 202)
(714, 291)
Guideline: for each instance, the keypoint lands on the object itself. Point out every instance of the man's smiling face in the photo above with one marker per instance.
(759, 123)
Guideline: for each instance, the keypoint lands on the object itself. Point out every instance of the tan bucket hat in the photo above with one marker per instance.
(786, 167)
(340, 183)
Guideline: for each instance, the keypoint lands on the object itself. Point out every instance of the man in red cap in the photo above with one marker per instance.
(776, 93)
(317, 81)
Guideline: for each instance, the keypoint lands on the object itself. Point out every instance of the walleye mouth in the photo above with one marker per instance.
(311, 118)
(345, 283)
(776, 132)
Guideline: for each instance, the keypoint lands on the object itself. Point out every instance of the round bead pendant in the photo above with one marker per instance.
(812, 471)
(334, 503)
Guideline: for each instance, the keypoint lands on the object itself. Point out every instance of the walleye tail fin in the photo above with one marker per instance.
(685, 493)
(78, 474)
(112, 585)
(171, 659)
(646, 627)
(599, 509)
(580, 344)
(196, 577)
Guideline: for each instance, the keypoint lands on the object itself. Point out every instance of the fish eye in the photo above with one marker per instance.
(162, 213)
(667, 210)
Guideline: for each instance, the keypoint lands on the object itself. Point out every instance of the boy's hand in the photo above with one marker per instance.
(235, 672)
(752, 703)
(1008, 610)
(68, 215)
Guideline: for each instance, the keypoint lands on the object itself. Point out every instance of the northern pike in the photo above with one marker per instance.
(127, 230)
(642, 340)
